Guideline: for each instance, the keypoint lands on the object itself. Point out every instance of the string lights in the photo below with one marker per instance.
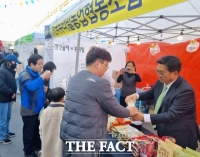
(87, 33)
(20, 4)
(109, 44)
(138, 42)
(180, 37)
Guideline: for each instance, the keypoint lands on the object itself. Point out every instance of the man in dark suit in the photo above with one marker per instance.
(175, 105)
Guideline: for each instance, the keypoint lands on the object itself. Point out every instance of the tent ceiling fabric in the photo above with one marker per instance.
(162, 25)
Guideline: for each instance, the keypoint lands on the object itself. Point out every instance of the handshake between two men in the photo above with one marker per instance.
(134, 113)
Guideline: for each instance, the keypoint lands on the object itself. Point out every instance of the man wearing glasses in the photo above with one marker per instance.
(89, 100)
(175, 105)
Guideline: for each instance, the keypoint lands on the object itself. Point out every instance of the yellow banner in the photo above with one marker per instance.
(99, 13)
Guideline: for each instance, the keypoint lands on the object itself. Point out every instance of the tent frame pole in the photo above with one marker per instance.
(77, 53)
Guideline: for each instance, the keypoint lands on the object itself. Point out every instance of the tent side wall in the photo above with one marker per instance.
(63, 54)
(146, 64)
(25, 45)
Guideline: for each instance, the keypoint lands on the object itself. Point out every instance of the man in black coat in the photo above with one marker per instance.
(7, 96)
(175, 104)
(1, 59)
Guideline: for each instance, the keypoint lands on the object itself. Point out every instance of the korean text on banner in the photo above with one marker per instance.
(99, 13)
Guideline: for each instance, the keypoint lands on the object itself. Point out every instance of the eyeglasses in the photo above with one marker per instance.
(159, 72)
(104, 64)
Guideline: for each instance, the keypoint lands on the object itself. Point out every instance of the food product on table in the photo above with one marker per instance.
(113, 121)
(125, 132)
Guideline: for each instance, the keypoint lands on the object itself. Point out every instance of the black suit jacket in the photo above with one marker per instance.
(177, 114)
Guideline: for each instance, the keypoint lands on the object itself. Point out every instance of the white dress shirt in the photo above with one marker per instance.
(109, 78)
(147, 118)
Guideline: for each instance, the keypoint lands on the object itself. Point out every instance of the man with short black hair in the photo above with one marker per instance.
(7, 96)
(89, 100)
(31, 85)
(175, 105)
(50, 66)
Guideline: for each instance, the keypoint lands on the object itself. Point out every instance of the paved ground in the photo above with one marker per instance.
(15, 149)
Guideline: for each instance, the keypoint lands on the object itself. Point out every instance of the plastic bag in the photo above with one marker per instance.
(164, 150)
(191, 152)
(180, 153)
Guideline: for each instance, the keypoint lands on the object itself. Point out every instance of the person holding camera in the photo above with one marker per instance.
(129, 78)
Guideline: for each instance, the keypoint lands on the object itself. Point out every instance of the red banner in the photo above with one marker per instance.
(1, 45)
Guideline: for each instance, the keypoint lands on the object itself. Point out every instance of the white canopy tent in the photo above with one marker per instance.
(26, 49)
(64, 55)
(161, 25)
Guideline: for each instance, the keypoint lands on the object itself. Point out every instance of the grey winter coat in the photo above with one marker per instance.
(89, 100)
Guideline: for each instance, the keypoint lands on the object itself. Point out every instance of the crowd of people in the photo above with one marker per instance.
(50, 119)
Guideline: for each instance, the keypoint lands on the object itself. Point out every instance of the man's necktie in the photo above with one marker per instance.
(159, 101)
